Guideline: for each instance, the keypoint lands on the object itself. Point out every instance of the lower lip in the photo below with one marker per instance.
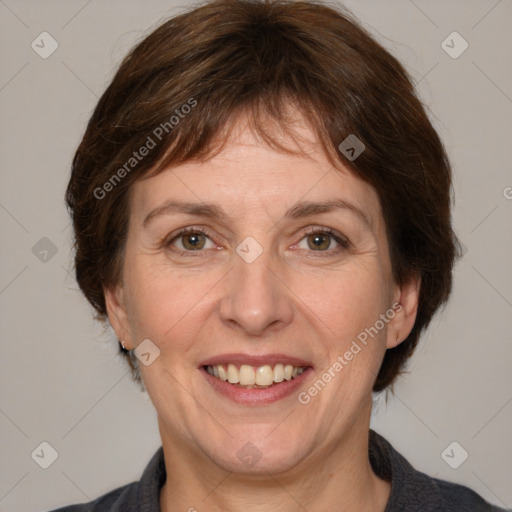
(257, 396)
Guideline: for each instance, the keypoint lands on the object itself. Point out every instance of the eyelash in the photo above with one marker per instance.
(343, 242)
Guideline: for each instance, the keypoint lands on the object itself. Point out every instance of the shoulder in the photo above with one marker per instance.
(113, 501)
(140, 496)
(457, 497)
(414, 490)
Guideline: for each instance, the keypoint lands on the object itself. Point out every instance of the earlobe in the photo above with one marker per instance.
(117, 315)
(406, 309)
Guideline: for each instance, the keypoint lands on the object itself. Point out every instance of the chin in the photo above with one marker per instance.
(255, 463)
(261, 453)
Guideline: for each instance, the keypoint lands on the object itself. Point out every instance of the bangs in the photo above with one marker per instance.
(271, 124)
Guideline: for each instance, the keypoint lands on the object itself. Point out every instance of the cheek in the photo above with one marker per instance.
(163, 302)
(344, 304)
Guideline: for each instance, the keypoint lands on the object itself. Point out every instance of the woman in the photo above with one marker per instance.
(262, 211)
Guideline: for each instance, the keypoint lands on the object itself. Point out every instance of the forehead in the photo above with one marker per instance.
(248, 176)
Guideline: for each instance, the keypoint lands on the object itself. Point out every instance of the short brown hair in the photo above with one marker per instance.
(232, 56)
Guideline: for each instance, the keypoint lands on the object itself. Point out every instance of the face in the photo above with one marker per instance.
(266, 275)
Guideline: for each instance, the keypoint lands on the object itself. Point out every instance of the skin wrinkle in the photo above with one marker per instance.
(282, 302)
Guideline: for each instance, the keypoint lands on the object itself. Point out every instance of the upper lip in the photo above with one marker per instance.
(259, 360)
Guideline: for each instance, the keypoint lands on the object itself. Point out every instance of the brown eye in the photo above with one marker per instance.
(193, 241)
(324, 241)
(319, 241)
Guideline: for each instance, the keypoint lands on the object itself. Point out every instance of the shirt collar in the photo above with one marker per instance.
(386, 462)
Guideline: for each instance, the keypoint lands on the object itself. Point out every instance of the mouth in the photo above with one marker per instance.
(256, 380)
(250, 377)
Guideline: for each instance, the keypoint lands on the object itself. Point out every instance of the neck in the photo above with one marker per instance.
(340, 478)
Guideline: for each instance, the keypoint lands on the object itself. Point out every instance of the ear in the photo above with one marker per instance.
(117, 315)
(405, 304)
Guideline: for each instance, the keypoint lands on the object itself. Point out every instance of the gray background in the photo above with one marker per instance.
(62, 380)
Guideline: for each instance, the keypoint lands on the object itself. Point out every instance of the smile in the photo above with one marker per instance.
(248, 376)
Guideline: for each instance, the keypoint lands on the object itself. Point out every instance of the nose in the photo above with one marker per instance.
(256, 299)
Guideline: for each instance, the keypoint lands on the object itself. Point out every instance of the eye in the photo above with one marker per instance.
(191, 239)
(322, 240)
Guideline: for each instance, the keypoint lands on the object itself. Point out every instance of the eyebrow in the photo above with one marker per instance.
(297, 211)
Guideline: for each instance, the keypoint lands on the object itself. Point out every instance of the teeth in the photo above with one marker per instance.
(247, 375)
(263, 376)
(233, 374)
(278, 373)
(223, 374)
